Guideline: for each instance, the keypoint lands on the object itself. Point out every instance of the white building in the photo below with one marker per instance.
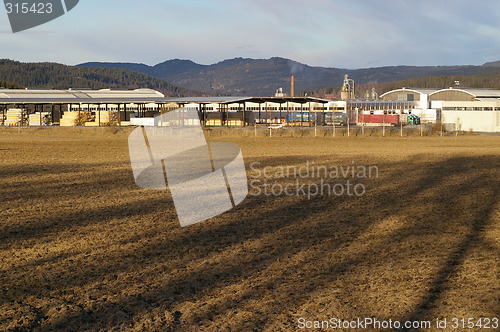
(457, 108)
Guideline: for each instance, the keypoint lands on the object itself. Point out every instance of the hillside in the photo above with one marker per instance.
(492, 64)
(241, 76)
(57, 76)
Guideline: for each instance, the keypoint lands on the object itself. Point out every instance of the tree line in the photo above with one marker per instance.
(15, 75)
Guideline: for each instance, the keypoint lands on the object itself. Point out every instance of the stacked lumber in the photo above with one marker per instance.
(104, 117)
(39, 119)
(101, 118)
(14, 117)
(214, 122)
(70, 119)
(235, 123)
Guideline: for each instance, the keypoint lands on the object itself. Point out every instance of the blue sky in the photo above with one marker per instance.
(329, 33)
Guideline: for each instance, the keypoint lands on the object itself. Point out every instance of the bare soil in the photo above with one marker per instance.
(82, 248)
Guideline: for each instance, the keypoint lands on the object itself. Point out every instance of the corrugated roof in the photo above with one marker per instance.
(142, 96)
(78, 96)
(228, 100)
(424, 91)
(209, 100)
(82, 101)
(479, 93)
(487, 99)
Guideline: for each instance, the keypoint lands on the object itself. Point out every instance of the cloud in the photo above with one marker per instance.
(349, 34)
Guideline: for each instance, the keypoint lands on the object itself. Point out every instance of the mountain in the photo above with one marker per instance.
(161, 70)
(137, 67)
(57, 76)
(243, 76)
(238, 76)
(174, 67)
(492, 64)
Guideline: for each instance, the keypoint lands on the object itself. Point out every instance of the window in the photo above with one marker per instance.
(406, 97)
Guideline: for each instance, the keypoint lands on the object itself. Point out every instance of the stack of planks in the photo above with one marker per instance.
(74, 118)
(101, 118)
(39, 119)
(14, 117)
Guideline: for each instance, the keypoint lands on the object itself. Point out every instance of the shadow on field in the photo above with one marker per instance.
(62, 194)
(482, 190)
(260, 266)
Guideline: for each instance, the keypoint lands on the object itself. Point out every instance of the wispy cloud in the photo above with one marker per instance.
(348, 34)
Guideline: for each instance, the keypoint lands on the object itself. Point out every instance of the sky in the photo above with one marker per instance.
(329, 33)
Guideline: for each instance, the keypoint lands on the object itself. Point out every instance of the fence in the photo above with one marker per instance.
(329, 131)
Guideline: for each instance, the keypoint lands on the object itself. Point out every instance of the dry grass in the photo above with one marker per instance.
(82, 248)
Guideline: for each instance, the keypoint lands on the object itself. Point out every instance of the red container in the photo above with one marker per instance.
(378, 118)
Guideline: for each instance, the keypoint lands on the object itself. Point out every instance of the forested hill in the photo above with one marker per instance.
(486, 80)
(10, 85)
(239, 77)
(251, 77)
(14, 74)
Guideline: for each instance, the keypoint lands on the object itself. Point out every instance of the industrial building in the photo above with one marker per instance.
(139, 107)
(62, 107)
(456, 108)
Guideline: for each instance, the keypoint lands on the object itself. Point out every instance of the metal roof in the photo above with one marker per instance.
(18, 96)
(11, 96)
(477, 93)
(422, 91)
(206, 100)
(487, 99)
(82, 101)
(282, 100)
(231, 100)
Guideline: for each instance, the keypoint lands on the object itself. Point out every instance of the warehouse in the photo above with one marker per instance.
(241, 111)
(139, 107)
(65, 107)
(284, 110)
(457, 108)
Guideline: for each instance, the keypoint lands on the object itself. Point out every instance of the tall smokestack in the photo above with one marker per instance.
(292, 86)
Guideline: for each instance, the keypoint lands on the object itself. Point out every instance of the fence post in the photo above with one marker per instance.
(363, 126)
